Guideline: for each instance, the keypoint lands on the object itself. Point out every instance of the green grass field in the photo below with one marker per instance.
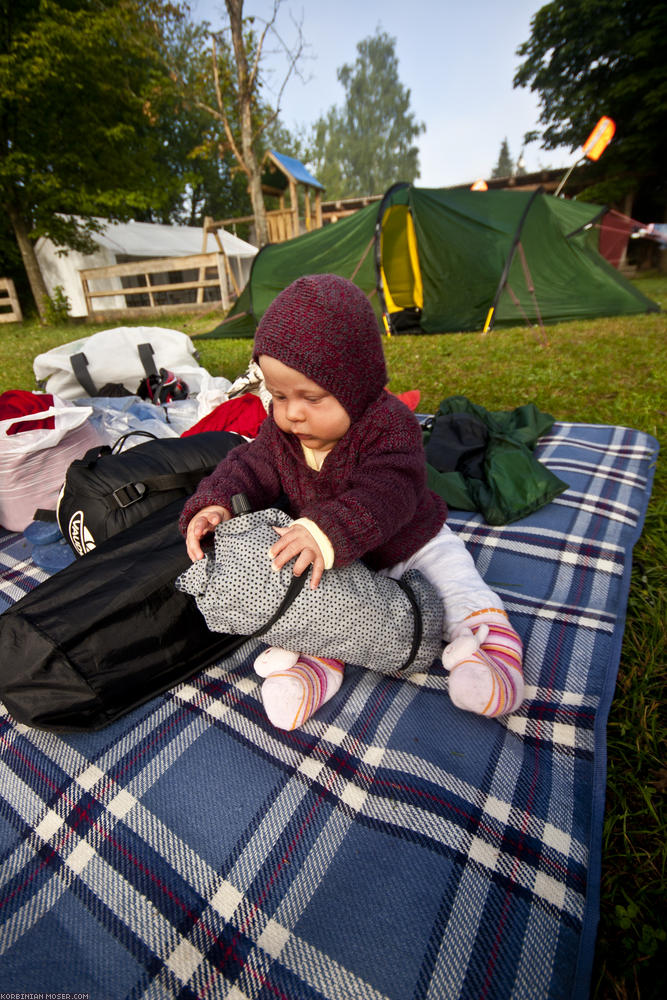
(611, 370)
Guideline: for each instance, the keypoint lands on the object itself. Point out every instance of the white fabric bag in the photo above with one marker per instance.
(355, 615)
(33, 463)
(113, 356)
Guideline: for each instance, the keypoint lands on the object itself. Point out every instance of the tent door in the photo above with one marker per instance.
(401, 276)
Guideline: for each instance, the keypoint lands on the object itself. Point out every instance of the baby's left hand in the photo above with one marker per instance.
(298, 541)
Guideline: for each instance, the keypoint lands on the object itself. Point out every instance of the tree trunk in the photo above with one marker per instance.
(37, 285)
(257, 200)
(250, 164)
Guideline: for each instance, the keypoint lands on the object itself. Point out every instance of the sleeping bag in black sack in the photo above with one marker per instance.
(391, 626)
(106, 633)
(105, 492)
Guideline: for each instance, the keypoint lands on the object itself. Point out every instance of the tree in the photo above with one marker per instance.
(244, 118)
(368, 144)
(586, 58)
(205, 181)
(83, 86)
(505, 165)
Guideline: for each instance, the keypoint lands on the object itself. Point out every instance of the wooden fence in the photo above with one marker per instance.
(283, 223)
(194, 283)
(10, 307)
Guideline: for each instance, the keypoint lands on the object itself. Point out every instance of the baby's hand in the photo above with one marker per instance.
(203, 523)
(298, 541)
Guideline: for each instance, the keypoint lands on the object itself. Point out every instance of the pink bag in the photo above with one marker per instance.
(33, 462)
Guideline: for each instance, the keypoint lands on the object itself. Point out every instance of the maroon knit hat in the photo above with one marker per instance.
(324, 326)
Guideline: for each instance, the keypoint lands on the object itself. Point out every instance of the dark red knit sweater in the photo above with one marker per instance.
(370, 497)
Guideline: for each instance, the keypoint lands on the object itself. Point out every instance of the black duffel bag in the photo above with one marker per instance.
(105, 492)
(106, 633)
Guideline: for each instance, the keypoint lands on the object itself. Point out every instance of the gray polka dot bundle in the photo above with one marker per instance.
(355, 615)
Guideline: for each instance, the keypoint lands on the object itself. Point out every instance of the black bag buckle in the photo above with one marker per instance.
(128, 494)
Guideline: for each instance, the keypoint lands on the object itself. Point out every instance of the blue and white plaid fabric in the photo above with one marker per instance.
(394, 847)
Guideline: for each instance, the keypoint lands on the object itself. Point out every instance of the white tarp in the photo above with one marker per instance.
(150, 239)
(146, 240)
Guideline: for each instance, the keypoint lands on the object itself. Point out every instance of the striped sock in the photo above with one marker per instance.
(291, 696)
(489, 680)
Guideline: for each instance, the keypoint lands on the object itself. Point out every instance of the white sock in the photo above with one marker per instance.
(292, 696)
(273, 660)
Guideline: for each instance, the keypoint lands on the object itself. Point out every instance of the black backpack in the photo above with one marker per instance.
(106, 491)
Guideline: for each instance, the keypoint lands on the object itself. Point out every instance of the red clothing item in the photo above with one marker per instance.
(242, 414)
(19, 402)
(370, 497)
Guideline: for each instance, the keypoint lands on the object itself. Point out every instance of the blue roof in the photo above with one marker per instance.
(297, 170)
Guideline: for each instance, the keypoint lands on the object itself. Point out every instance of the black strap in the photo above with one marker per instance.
(79, 363)
(418, 631)
(121, 440)
(146, 353)
(129, 493)
(296, 586)
(44, 515)
(291, 594)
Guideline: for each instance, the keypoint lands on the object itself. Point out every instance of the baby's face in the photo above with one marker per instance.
(302, 407)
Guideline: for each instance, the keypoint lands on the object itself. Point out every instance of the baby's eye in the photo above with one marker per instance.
(314, 399)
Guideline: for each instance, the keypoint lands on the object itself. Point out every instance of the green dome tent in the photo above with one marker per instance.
(443, 260)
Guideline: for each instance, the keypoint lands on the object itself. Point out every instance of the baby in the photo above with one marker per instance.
(349, 458)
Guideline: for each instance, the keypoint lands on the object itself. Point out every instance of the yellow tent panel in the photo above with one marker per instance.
(401, 276)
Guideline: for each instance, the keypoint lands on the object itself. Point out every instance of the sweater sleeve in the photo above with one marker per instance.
(248, 469)
(382, 492)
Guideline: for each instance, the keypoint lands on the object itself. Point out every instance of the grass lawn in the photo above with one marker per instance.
(611, 370)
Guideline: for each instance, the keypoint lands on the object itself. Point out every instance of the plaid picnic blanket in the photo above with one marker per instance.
(394, 847)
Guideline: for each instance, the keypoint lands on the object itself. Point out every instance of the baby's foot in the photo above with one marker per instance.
(485, 665)
(292, 696)
(273, 660)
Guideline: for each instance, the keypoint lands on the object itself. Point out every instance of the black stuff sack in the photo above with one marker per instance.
(107, 633)
(105, 492)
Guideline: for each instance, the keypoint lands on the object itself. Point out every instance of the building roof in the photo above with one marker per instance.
(151, 239)
(294, 169)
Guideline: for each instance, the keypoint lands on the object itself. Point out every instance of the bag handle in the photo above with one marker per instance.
(79, 363)
(117, 446)
(93, 455)
(146, 353)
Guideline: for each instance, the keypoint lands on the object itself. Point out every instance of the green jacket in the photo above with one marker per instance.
(508, 482)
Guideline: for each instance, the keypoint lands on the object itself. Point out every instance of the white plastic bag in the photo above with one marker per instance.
(33, 463)
(66, 418)
(212, 392)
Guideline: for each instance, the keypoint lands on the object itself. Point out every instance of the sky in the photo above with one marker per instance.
(457, 58)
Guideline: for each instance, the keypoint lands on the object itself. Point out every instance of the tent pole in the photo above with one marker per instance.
(377, 234)
(531, 288)
(508, 263)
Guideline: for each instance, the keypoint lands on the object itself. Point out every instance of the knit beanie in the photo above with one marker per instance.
(323, 326)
